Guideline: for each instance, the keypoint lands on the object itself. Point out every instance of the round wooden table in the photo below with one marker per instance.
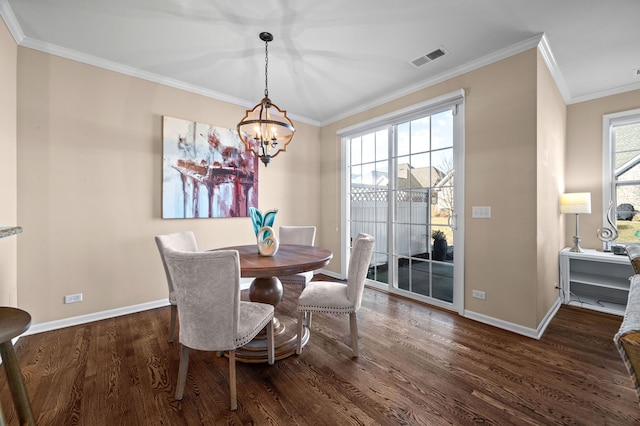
(290, 259)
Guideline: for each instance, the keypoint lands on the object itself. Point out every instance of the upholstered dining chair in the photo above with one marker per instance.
(302, 235)
(184, 241)
(212, 316)
(334, 297)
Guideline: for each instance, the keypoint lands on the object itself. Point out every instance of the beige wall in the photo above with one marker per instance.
(89, 178)
(551, 130)
(500, 171)
(8, 167)
(584, 159)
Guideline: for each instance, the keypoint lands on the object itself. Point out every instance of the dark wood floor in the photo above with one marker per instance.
(418, 366)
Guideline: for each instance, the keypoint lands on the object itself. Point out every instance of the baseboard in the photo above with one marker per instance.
(535, 333)
(330, 274)
(95, 316)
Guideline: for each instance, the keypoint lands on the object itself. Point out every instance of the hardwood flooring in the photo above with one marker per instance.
(418, 365)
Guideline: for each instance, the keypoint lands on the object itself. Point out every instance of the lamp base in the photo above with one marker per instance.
(576, 245)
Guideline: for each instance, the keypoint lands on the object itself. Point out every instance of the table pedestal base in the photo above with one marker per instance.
(269, 290)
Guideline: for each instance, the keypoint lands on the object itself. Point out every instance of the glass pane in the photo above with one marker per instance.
(356, 175)
(356, 150)
(628, 213)
(419, 171)
(420, 240)
(442, 130)
(440, 236)
(369, 148)
(382, 145)
(403, 171)
(420, 135)
(403, 239)
(403, 139)
(368, 174)
(631, 170)
(443, 163)
(382, 174)
(404, 274)
(442, 281)
(420, 277)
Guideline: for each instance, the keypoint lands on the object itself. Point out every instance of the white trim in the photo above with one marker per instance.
(11, 21)
(604, 93)
(535, 333)
(550, 60)
(95, 316)
(331, 274)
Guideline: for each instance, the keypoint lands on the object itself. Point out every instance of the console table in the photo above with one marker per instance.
(595, 280)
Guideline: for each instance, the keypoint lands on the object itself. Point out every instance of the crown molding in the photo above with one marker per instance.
(550, 60)
(11, 21)
(604, 93)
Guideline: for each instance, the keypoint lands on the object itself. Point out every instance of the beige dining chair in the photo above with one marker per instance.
(301, 235)
(335, 297)
(184, 241)
(212, 316)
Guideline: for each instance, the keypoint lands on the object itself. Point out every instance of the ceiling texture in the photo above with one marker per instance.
(330, 59)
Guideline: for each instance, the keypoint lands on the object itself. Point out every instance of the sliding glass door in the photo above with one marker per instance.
(402, 186)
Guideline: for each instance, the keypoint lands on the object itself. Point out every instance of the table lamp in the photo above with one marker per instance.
(576, 203)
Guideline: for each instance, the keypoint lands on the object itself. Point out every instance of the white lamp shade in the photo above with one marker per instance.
(577, 202)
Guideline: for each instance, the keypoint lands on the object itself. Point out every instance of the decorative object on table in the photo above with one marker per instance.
(576, 203)
(260, 221)
(266, 130)
(267, 242)
(608, 234)
(440, 245)
(207, 171)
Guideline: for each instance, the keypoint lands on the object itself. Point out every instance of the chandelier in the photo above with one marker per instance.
(266, 130)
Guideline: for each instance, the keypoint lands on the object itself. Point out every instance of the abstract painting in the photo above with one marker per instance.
(206, 171)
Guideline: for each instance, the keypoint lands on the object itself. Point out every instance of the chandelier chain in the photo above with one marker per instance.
(266, 66)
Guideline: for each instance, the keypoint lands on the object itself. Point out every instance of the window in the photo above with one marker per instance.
(621, 180)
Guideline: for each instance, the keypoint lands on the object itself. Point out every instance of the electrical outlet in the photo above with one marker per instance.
(73, 298)
(479, 294)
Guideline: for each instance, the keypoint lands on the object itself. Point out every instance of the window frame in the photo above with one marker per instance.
(609, 183)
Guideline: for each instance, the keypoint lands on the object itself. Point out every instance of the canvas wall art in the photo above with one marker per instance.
(206, 171)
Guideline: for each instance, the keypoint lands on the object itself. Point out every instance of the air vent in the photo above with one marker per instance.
(428, 57)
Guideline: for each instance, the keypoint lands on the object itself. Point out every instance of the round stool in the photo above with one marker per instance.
(14, 322)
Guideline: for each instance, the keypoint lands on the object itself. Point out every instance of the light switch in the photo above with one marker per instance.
(481, 212)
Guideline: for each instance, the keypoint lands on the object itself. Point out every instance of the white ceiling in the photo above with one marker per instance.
(332, 58)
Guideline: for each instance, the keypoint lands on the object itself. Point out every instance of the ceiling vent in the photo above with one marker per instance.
(429, 57)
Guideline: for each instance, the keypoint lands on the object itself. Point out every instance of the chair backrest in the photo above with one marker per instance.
(358, 267)
(302, 235)
(208, 291)
(183, 241)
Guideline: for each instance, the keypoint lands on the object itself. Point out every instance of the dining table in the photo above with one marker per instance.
(290, 259)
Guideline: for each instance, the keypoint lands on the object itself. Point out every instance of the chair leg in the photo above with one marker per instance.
(182, 372)
(270, 344)
(307, 319)
(232, 379)
(172, 326)
(354, 333)
(299, 333)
